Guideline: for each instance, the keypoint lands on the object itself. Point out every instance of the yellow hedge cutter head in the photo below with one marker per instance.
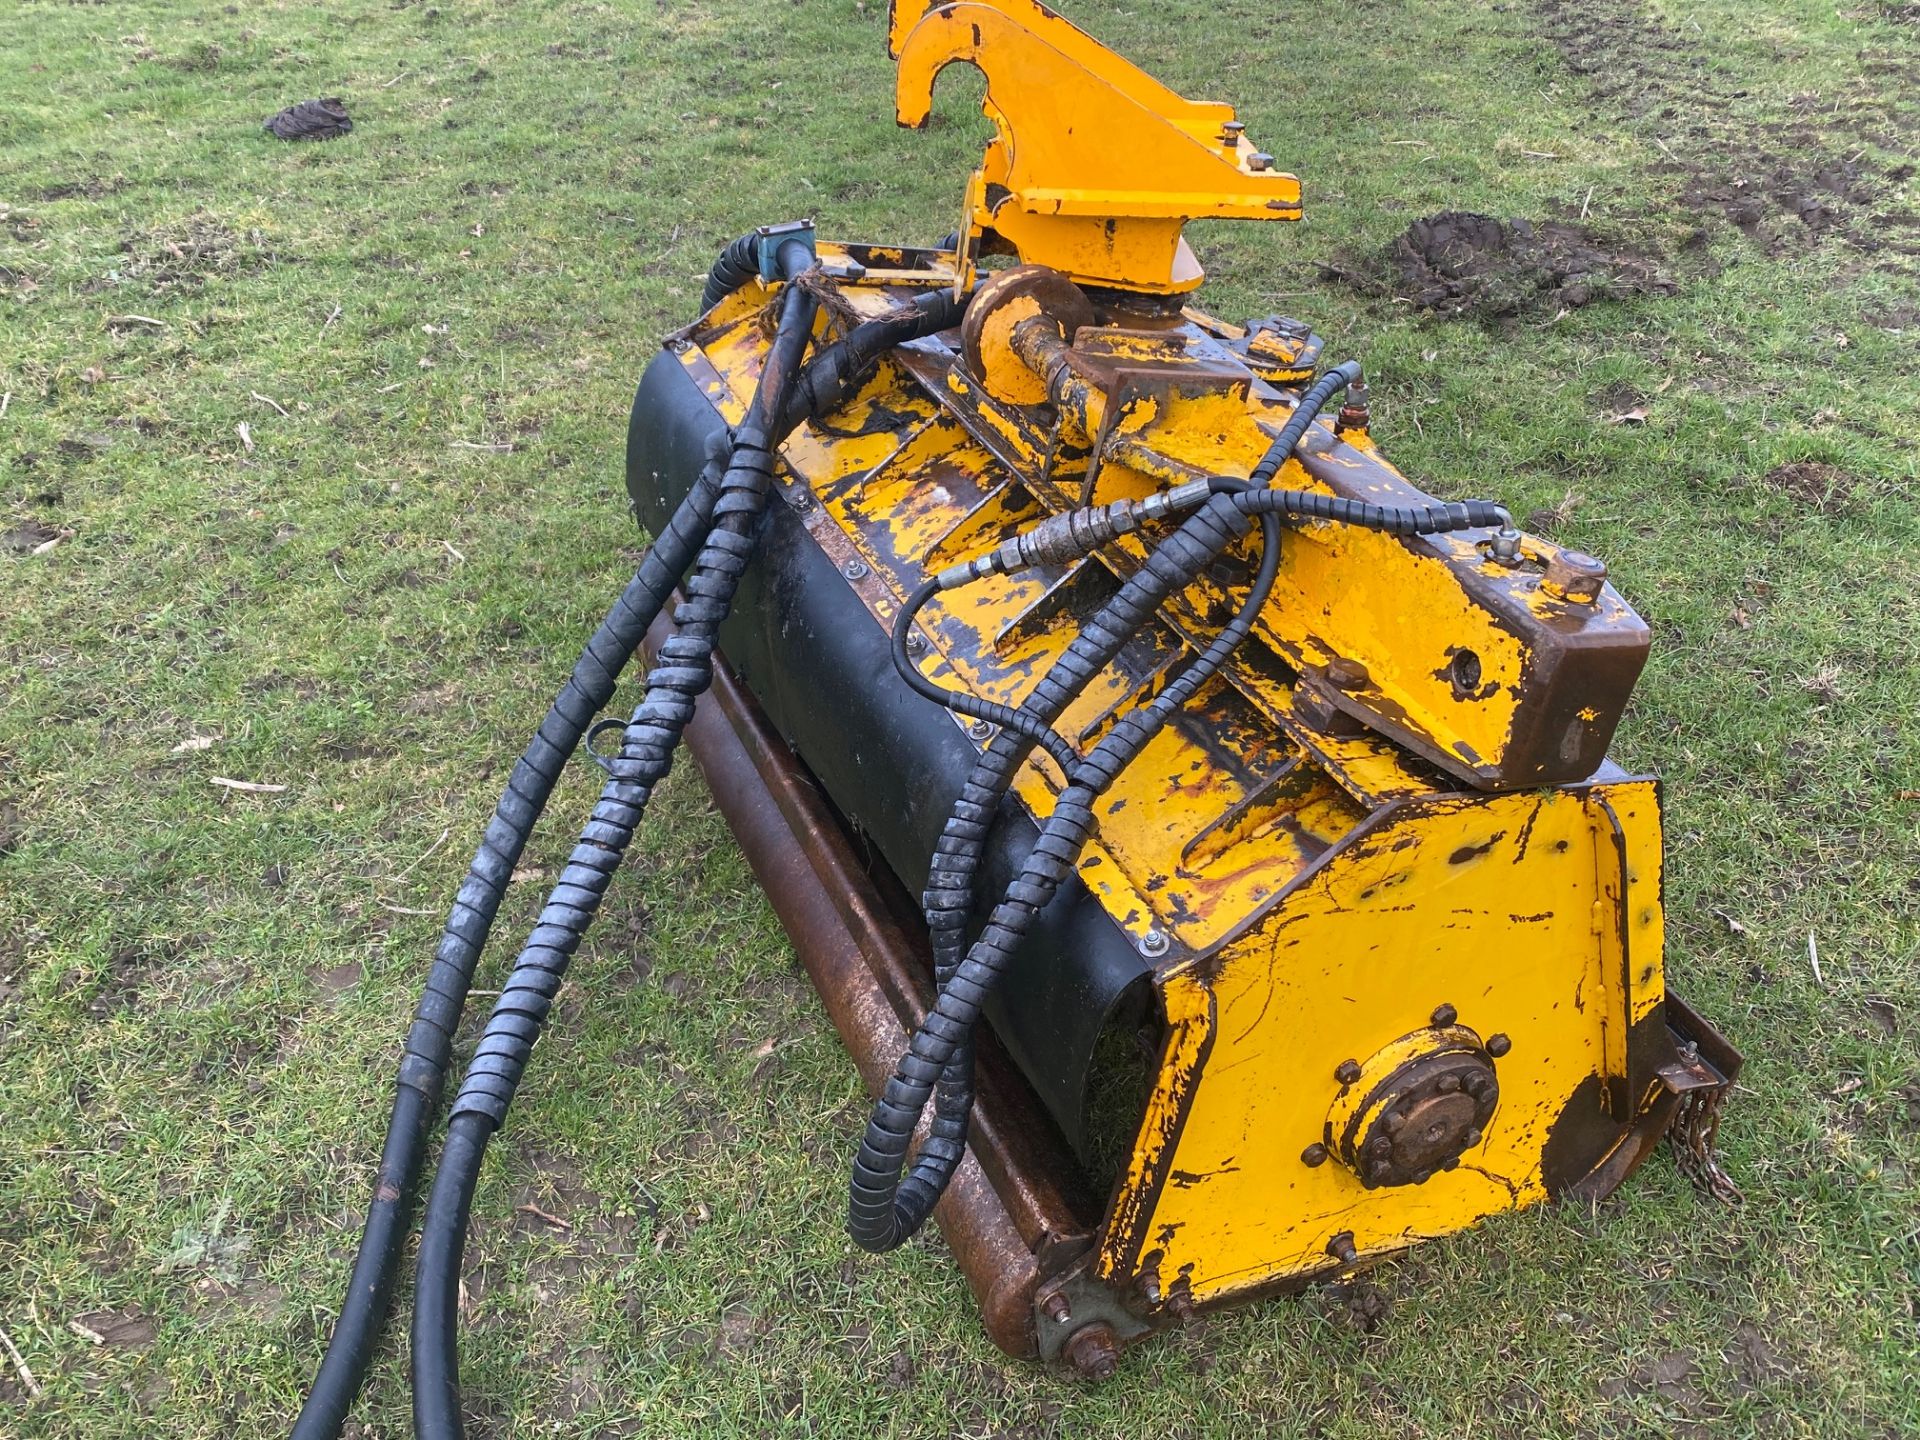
(1202, 837)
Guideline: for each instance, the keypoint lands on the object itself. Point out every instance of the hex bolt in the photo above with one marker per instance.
(1341, 1248)
(1394, 1122)
(854, 569)
(1498, 1045)
(1231, 132)
(1420, 1177)
(1314, 1156)
(1154, 943)
(1094, 1351)
(1447, 1084)
(1344, 674)
(1260, 160)
(1443, 1016)
(1453, 1164)
(1149, 1283)
(1475, 1084)
(1056, 1308)
(1181, 1303)
(1380, 1147)
(1347, 1072)
(1472, 1137)
(1575, 576)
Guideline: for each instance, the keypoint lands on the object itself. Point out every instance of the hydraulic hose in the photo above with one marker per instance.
(588, 689)
(430, 1038)
(837, 371)
(949, 896)
(683, 671)
(738, 263)
(883, 1210)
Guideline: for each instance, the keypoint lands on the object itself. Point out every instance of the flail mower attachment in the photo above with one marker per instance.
(1202, 838)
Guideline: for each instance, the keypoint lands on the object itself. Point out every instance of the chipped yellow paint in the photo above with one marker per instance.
(1325, 890)
(1502, 907)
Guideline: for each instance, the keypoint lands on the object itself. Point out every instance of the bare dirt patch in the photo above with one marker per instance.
(23, 537)
(1789, 182)
(123, 1329)
(1461, 263)
(184, 255)
(1818, 486)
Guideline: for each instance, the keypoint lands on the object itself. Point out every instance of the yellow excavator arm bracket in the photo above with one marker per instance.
(1095, 166)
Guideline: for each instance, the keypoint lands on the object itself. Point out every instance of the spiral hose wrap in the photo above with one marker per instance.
(883, 1209)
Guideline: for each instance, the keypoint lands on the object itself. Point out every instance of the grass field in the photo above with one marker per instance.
(310, 477)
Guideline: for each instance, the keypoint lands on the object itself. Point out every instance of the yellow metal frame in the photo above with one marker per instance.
(1095, 166)
(1323, 890)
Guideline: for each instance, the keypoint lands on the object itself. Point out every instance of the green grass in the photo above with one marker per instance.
(202, 990)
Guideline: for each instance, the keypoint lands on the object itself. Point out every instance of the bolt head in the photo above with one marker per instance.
(1260, 160)
(1420, 1177)
(1347, 1072)
(1443, 1016)
(1314, 1156)
(1344, 674)
(1473, 1137)
(854, 570)
(1498, 1045)
(1447, 1084)
(916, 642)
(1476, 1084)
(1155, 942)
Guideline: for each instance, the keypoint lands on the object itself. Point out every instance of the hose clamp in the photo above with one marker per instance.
(769, 238)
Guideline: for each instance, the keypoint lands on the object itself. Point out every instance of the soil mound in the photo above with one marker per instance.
(1461, 263)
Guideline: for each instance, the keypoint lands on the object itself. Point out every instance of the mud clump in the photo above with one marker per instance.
(1461, 263)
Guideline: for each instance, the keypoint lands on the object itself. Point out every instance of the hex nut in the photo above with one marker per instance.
(1347, 1072)
(1094, 1351)
(1574, 575)
(1498, 1045)
(1443, 1016)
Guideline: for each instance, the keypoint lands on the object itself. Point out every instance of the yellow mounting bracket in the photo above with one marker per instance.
(1095, 166)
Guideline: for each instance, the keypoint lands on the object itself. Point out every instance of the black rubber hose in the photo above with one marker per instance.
(682, 673)
(837, 371)
(948, 899)
(883, 1211)
(961, 702)
(1312, 401)
(429, 1040)
(732, 268)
